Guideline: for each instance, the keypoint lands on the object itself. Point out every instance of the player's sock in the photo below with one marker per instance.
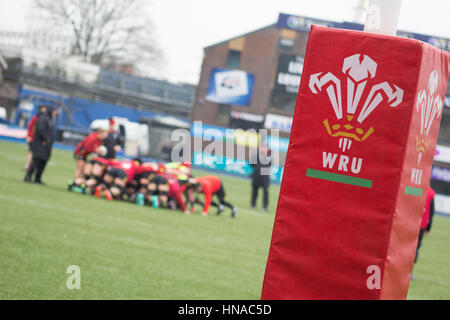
(77, 188)
(227, 204)
(172, 204)
(220, 209)
(121, 192)
(140, 199)
(153, 198)
(92, 189)
(155, 201)
(133, 197)
(98, 179)
(214, 204)
(70, 186)
(164, 194)
(234, 212)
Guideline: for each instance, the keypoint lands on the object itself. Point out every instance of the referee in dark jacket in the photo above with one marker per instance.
(261, 175)
(41, 146)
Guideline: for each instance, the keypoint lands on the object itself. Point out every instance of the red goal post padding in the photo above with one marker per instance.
(358, 167)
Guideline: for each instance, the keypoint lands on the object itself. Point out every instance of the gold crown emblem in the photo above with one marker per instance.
(360, 71)
(348, 129)
(422, 145)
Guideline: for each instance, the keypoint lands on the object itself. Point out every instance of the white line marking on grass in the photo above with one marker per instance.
(46, 205)
(39, 204)
(14, 158)
(22, 159)
(255, 213)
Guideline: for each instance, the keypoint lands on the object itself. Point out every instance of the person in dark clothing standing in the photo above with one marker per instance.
(261, 175)
(30, 135)
(113, 142)
(427, 219)
(41, 146)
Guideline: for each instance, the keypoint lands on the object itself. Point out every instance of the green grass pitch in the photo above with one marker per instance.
(129, 252)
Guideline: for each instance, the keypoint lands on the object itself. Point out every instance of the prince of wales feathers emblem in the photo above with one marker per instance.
(349, 124)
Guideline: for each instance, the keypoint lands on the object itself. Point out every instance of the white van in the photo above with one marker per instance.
(3, 113)
(134, 134)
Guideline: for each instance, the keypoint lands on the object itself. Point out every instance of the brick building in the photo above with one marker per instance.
(258, 53)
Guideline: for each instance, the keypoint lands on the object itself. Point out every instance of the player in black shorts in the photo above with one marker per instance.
(94, 176)
(158, 190)
(114, 183)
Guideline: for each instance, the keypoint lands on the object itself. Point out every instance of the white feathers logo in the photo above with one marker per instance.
(358, 69)
(430, 106)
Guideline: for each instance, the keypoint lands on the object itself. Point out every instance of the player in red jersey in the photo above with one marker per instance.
(89, 145)
(182, 171)
(176, 193)
(158, 186)
(94, 177)
(117, 176)
(210, 186)
(144, 173)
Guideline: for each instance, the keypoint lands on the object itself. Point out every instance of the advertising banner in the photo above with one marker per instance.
(442, 204)
(246, 120)
(442, 154)
(303, 24)
(289, 72)
(209, 132)
(275, 121)
(250, 117)
(297, 23)
(440, 174)
(357, 169)
(233, 166)
(230, 87)
(12, 131)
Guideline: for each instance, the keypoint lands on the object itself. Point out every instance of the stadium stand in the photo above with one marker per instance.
(78, 112)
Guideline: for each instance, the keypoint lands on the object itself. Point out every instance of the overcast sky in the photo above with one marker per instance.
(185, 27)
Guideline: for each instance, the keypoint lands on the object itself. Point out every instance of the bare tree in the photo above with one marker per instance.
(104, 30)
